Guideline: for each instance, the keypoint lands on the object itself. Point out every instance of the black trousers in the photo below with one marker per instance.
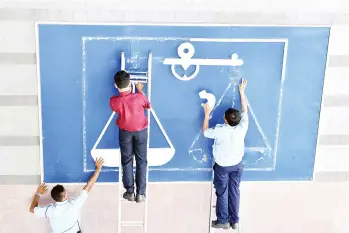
(227, 184)
(134, 144)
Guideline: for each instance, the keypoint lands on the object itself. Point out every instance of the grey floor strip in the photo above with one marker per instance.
(336, 101)
(17, 14)
(18, 100)
(301, 18)
(331, 140)
(20, 180)
(19, 140)
(17, 58)
(338, 60)
(330, 176)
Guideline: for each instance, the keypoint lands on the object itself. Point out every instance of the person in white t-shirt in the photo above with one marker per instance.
(228, 151)
(64, 214)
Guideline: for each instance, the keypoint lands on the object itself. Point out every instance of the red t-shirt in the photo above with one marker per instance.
(130, 108)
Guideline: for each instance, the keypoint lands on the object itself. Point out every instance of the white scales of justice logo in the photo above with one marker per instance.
(161, 156)
(186, 52)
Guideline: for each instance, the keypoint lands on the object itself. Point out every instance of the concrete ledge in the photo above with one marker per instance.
(18, 100)
(19, 140)
(331, 176)
(18, 58)
(20, 180)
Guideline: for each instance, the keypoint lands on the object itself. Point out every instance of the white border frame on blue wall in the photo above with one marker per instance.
(156, 24)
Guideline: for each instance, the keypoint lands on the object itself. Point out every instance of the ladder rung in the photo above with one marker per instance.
(138, 81)
(136, 72)
(132, 224)
(127, 201)
(137, 77)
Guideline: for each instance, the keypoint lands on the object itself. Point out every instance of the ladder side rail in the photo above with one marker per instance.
(120, 167)
(145, 228)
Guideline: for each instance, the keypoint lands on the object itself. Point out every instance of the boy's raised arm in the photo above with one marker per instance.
(99, 163)
(146, 103)
(242, 87)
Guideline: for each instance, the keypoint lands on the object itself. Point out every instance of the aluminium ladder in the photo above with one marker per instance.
(135, 77)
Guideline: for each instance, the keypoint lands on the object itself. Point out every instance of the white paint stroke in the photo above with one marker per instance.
(84, 96)
(186, 52)
(263, 150)
(194, 182)
(234, 61)
(191, 150)
(283, 77)
(133, 38)
(156, 156)
(267, 169)
(258, 127)
(239, 40)
(185, 77)
(211, 98)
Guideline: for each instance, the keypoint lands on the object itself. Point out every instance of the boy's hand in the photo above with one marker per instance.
(243, 85)
(99, 163)
(139, 87)
(207, 110)
(41, 189)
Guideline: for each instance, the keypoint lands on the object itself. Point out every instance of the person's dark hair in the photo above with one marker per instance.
(57, 193)
(122, 79)
(232, 116)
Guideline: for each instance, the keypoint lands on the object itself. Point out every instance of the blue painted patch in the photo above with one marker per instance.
(77, 65)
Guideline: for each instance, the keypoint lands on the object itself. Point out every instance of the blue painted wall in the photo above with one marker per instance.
(77, 64)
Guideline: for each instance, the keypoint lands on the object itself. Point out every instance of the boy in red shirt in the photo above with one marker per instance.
(133, 134)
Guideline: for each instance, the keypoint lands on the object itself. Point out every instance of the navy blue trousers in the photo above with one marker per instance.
(134, 144)
(227, 184)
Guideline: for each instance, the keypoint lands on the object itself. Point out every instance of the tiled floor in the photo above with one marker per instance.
(184, 208)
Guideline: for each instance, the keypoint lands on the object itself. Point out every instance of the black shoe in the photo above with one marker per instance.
(234, 225)
(216, 224)
(129, 196)
(140, 198)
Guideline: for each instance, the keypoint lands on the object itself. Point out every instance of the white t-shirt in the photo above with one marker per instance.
(63, 216)
(229, 142)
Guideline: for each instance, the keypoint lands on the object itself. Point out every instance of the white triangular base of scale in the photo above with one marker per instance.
(155, 156)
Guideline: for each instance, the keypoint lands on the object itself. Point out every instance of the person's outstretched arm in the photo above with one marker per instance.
(99, 163)
(244, 107)
(207, 111)
(208, 132)
(146, 103)
(35, 203)
(242, 88)
(80, 200)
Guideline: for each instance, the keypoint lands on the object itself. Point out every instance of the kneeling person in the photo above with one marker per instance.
(64, 214)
